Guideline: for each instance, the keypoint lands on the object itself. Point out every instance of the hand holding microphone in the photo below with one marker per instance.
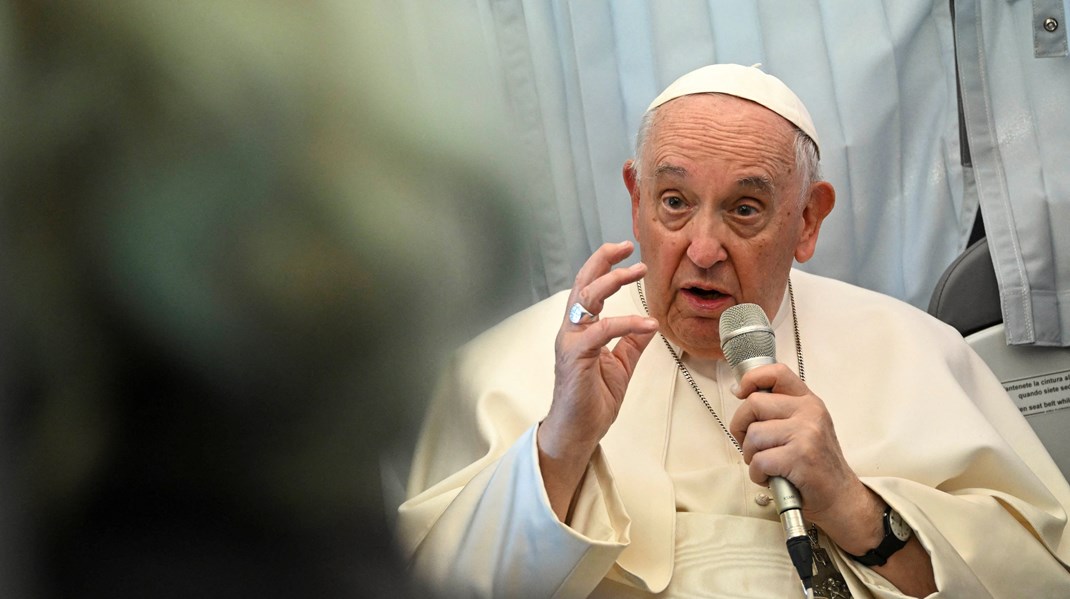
(783, 428)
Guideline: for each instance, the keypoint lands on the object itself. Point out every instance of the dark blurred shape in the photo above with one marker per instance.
(233, 252)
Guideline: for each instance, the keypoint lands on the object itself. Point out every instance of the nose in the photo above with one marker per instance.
(706, 248)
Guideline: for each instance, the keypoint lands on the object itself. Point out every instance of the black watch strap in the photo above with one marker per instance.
(878, 556)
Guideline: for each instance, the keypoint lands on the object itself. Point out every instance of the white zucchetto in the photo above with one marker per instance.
(749, 83)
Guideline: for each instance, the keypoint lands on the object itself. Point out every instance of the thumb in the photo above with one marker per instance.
(631, 347)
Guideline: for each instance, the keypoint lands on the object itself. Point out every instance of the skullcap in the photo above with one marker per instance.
(749, 83)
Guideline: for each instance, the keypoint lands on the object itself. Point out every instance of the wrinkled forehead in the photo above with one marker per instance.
(719, 125)
(713, 143)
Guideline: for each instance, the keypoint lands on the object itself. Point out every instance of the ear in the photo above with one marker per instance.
(818, 205)
(633, 190)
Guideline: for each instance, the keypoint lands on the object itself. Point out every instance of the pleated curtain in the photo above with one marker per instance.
(571, 81)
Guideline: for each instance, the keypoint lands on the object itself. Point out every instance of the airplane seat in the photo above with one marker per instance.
(1036, 378)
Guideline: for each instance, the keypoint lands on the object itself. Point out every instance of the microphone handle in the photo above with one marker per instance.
(788, 505)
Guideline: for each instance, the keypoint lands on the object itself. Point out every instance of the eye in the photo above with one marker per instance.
(673, 202)
(746, 210)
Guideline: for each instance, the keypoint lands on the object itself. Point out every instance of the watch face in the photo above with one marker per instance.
(900, 528)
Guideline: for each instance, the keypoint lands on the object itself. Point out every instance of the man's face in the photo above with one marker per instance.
(718, 214)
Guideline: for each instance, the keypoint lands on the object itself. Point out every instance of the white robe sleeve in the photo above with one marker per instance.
(977, 545)
(487, 529)
(993, 515)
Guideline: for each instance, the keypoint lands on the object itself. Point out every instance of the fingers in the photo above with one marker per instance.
(601, 261)
(591, 378)
(760, 409)
(787, 435)
(770, 392)
(785, 430)
(778, 409)
(597, 279)
(634, 332)
(773, 395)
(630, 347)
(778, 447)
(775, 378)
(777, 461)
(765, 435)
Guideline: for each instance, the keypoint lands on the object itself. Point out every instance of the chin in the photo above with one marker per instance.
(706, 353)
(700, 344)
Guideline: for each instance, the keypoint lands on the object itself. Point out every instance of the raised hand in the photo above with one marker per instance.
(590, 378)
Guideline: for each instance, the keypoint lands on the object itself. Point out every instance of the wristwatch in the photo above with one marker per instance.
(896, 534)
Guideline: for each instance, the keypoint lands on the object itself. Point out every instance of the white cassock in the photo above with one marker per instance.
(666, 507)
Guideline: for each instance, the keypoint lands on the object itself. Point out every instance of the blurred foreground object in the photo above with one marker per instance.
(233, 247)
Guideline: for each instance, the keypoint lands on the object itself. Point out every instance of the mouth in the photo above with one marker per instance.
(706, 300)
(704, 294)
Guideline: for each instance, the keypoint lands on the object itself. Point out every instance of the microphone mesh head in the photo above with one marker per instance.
(739, 346)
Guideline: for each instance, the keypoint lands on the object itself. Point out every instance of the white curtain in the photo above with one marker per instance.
(570, 81)
(1015, 76)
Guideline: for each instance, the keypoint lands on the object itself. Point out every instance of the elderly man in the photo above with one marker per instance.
(637, 465)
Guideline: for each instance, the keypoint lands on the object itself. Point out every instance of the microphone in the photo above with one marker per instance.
(747, 341)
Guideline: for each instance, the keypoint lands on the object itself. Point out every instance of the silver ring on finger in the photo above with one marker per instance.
(577, 314)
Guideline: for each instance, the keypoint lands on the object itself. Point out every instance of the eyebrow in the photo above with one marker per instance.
(670, 169)
(758, 182)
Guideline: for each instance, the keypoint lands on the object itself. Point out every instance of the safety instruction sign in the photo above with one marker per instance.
(1042, 393)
